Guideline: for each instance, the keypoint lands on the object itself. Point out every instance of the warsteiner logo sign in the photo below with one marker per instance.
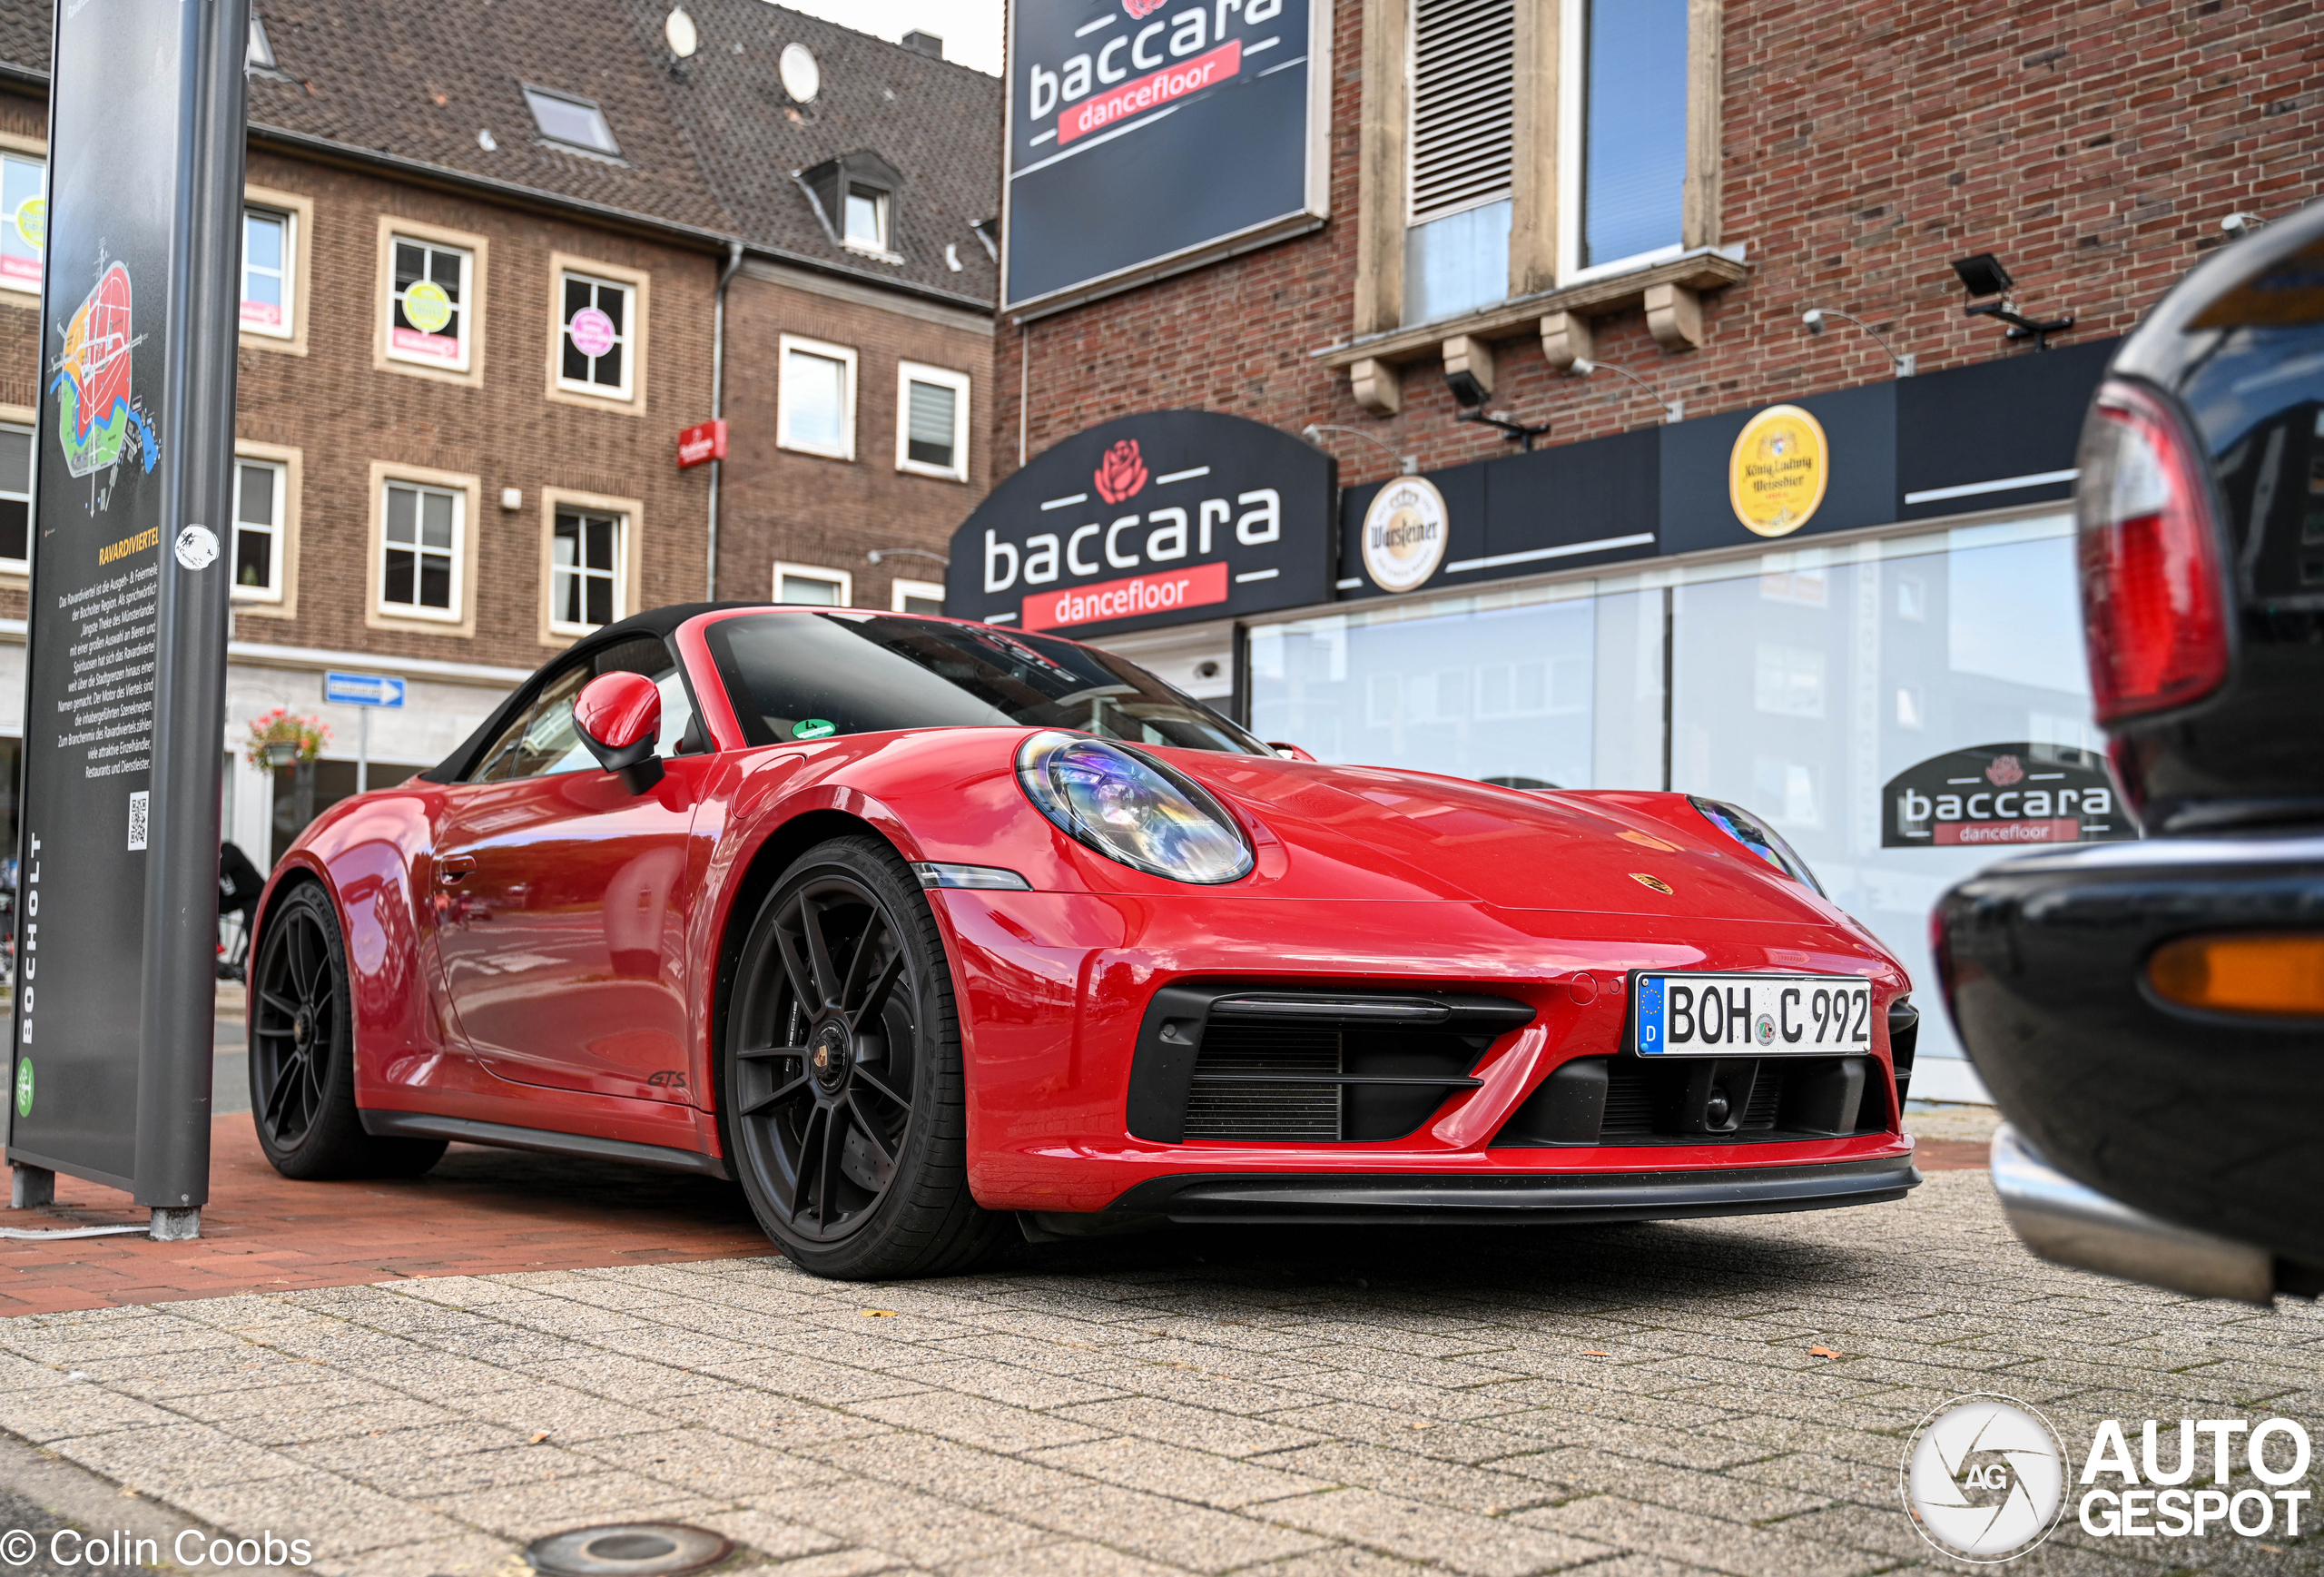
(2003, 796)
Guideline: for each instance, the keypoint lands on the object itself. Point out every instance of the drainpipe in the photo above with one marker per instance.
(718, 406)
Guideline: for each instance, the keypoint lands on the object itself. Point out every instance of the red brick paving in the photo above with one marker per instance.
(480, 1211)
(1943, 1155)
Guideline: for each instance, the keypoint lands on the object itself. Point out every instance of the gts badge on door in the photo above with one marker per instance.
(667, 1079)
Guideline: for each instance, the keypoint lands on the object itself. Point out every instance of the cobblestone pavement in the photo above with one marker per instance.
(1637, 1400)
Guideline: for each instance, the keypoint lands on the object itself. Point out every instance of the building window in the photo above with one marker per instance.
(815, 399)
(23, 220)
(1463, 108)
(932, 421)
(428, 320)
(584, 571)
(261, 495)
(419, 574)
(593, 348)
(576, 123)
(258, 55)
(267, 254)
(1633, 60)
(814, 585)
(867, 218)
(916, 597)
(15, 498)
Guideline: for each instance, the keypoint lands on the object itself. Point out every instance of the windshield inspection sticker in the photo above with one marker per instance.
(814, 728)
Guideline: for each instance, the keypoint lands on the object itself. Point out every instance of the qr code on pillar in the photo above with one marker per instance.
(137, 802)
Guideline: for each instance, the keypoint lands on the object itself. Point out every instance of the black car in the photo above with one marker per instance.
(2150, 1015)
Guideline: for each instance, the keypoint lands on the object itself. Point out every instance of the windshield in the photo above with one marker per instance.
(810, 675)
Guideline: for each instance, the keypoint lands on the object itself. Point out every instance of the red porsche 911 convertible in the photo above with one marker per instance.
(910, 924)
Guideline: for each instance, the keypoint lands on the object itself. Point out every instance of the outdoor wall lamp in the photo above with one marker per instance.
(1982, 276)
(877, 554)
(1672, 409)
(1814, 317)
(1516, 432)
(2238, 225)
(1406, 465)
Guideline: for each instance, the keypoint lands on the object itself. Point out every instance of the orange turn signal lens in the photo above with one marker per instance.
(2279, 973)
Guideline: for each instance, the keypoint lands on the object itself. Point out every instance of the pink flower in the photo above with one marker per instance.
(1121, 472)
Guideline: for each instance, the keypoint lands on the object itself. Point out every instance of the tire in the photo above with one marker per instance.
(842, 1103)
(302, 1053)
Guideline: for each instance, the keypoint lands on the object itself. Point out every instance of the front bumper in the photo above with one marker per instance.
(1259, 1199)
(2067, 1224)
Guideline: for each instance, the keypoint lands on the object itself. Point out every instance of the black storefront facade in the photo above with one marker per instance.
(1810, 609)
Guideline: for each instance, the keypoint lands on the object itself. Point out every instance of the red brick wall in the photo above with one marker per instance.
(801, 508)
(2094, 147)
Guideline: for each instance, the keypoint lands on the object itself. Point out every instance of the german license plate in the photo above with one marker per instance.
(1701, 1014)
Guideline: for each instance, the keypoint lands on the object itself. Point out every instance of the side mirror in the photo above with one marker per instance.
(1284, 747)
(619, 716)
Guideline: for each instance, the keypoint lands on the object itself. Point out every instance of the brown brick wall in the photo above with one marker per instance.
(783, 504)
(2095, 147)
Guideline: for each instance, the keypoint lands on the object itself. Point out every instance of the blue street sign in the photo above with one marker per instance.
(362, 690)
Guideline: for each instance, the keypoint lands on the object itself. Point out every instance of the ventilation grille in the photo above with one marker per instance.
(1275, 1112)
(1463, 55)
(1629, 1099)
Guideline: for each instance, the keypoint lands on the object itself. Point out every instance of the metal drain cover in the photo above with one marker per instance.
(628, 1550)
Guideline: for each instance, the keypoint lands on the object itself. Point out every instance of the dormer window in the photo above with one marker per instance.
(855, 197)
(867, 218)
(576, 122)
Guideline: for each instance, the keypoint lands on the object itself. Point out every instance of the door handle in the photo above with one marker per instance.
(453, 867)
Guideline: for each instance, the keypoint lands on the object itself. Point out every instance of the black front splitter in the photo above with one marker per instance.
(1260, 1198)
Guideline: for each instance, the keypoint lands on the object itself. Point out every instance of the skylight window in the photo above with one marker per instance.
(576, 123)
(258, 55)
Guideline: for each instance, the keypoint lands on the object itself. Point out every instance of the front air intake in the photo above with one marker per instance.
(1251, 1066)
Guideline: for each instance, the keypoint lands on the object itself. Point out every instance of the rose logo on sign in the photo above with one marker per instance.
(593, 332)
(1121, 473)
(1404, 534)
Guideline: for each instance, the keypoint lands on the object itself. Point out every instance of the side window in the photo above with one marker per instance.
(543, 741)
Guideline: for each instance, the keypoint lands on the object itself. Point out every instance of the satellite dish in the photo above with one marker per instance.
(679, 29)
(803, 79)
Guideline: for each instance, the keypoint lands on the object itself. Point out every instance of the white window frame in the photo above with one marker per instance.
(24, 566)
(621, 520)
(30, 154)
(1573, 69)
(458, 550)
(911, 372)
(466, 307)
(898, 590)
(289, 219)
(882, 210)
(837, 577)
(626, 340)
(272, 591)
(787, 343)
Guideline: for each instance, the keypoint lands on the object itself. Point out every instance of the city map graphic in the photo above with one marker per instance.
(98, 419)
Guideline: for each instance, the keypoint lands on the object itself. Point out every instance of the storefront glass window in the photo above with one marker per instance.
(1801, 682)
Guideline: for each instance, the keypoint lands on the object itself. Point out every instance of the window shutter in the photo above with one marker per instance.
(932, 418)
(1463, 61)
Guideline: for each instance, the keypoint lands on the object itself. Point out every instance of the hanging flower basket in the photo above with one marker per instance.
(279, 740)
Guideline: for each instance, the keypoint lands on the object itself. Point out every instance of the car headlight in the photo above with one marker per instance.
(1756, 836)
(1129, 807)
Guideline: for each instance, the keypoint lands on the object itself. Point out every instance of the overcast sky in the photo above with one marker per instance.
(970, 29)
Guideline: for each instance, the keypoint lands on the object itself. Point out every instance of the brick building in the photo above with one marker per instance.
(1610, 223)
(485, 250)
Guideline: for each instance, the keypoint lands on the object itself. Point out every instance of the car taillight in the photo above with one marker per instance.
(2153, 607)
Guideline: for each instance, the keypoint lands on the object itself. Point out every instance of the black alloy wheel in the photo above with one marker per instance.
(843, 1104)
(302, 1053)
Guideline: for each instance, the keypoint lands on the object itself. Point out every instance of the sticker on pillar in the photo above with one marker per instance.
(2002, 796)
(1776, 475)
(1404, 534)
